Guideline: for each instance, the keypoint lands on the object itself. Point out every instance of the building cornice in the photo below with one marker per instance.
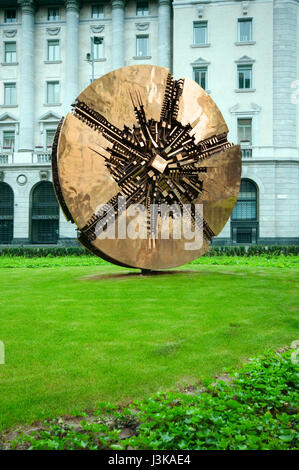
(72, 5)
(27, 6)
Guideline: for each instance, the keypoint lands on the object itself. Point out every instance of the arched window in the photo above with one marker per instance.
(6, 213)
(246, 206)
(44, 214)
(245, 214)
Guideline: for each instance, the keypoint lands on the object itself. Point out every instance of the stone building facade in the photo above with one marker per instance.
(244, 53)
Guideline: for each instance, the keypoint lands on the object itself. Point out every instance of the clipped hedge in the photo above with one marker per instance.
(50, 252)
(252, 250)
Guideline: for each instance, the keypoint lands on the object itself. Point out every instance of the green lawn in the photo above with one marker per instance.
(73, 339)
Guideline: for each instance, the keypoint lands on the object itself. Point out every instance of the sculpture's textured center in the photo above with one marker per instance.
(158, 163)
(155, 162)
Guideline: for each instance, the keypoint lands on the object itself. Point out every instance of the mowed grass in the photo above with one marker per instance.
(73, 339)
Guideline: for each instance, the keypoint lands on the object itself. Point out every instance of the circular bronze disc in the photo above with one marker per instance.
(138, 133)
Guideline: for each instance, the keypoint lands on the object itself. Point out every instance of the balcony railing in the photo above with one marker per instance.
(6, 157)
(42, 156)
(3, 159)
(246, 152)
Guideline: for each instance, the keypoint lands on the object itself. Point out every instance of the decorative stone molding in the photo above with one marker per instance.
(255, 107)
(22, 179)
(72, 4)
(44, 175)
(142, 57)
(118, 4)
(142, 26)
(245, 43)
(10, 33)
(97, 28)
(234, 108)
(200, 11)
(164, 2)
(200, 62)
(197, 46)
(53, 31)
(245, 7)
(201, 6)
(27, 6)
(245, 60)
(7, 118)
(49, 116)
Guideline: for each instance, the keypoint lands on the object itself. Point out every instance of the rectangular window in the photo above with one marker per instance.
(9, 139)
(142, 46)
(244, 29)
(244, 235)
(244, 76)
(50, 134)
(200, 76)
(98, 47)
(53, 14)
(10, 94)
(200, 32)
(97, 11)
(142, 8)
(245, 131)
(53, 50)
(10, 15)
(10, 52)
(53, 92)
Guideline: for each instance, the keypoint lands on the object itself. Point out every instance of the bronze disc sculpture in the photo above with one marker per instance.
(142, 151)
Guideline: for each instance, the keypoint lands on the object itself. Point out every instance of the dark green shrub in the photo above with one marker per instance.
(257, 410)
(38, 252)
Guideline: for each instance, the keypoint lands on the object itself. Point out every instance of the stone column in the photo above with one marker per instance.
(26, 87)
(284, 72)
(71, 85)
(164, 34)
(117, 53)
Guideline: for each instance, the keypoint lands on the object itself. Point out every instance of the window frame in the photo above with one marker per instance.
(247, 200)
(10, 52)
(196, 25)
(244, 20)
(239, 68)
(6, 212)
(49, 41)
(200, 69)
(251, 135)
(99, 16)
(49, 131)
(56, 18)
(48, 83)
(11, 86)
(5, 15)
(142, 36)
(96, 48)
(6, 131)
(142, 8)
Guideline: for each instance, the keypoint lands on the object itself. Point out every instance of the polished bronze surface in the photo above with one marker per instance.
(138, 139)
